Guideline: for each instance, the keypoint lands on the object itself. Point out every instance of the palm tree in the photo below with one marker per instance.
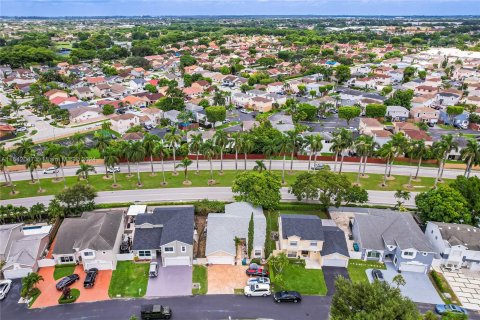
(173, 139)
(470, 155)
(371, 147)
(149, 142)
(78, 152)
(388, 152)
(23, 147)
(29, 282)
(342, 141)
(401, 196)
(295, 142)
(316, 146)
(58, 157)
(269, 150)
(77, 137)
(418, 150)
(220, 139)
(102, 141)
(237, 138)
(361, 148)
(4, 160)
(162, 150)
(33, 163)
(194, 145)
(400, 142)
(336, 147)
(209, 151)
(84, 170)
(246, 145)
(283, 147)
(184, 164)
(111, 159)
(137, 154)
(259, 166)
(443, 148)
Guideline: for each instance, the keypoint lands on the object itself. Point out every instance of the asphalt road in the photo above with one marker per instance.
(276, 165)
(191, 194)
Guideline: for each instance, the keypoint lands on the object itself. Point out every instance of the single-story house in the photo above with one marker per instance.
(93, 240)
(166, 233)
(223, 228)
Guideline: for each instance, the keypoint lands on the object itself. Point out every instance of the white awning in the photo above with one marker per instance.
(135, 209)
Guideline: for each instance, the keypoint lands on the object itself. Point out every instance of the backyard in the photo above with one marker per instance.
(305, 281)
(130, 279)
(357, 269)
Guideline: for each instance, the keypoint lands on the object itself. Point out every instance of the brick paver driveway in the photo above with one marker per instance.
(171, 281)
(49, 296)
(223, 279)
(466, 286)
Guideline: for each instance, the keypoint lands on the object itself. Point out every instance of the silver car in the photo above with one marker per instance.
(5, 286)
(255, 280)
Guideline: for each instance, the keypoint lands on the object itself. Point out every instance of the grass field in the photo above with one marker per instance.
(26, 189)
(357, 269)
(200, 276)
(63, 271)
(305, 281)
(130, 279)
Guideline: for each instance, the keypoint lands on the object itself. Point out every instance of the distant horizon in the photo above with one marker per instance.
(215, 8)
(249, 15)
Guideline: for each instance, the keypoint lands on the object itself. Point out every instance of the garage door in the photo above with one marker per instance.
(220, 260)
(334, 263)
(100, 265)
(413, 267)
(16, 274)
(177, 261)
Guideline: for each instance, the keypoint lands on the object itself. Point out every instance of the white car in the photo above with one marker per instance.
(255, 280)
(50, 170)
(5, 286)
(257, 290)
(113, 169)
(22, 129)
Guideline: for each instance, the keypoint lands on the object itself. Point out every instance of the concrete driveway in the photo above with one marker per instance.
(418, 286)
(330, 274)
(223, 279)
(171, 281)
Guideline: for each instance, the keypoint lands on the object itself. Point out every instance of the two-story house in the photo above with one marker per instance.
(165, 234)
(388, 236)
(458, 244)
(319, 242)
(397, 113)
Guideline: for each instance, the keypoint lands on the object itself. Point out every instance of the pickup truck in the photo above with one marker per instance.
(155, 311)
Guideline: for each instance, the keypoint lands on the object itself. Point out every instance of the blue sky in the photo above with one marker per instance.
(237, 7)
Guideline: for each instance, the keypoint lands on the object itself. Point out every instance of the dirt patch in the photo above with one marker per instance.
(199, 249)
(342, 220)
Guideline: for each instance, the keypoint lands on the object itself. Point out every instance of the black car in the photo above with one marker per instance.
(67, 281)
(377, 275)
(90, 278)
(155, 311)
(287, 296)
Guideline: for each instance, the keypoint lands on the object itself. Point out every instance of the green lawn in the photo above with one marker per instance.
(357, 269)
(200, 276)
(130, 183)
(63, 271)
(130, 279)
(305, 281)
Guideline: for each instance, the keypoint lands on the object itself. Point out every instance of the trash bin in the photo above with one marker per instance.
(244, 261)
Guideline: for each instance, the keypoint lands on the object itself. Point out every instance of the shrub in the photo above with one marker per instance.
(74, 294)
(205, 206)
(438, 281)
(256, 260)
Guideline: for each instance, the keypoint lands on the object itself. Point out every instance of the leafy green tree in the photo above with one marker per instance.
(355, 194)
(279, 262)
(401, 197)
(108, 109)
(187, 60)
(408, 73)
(375, 110)
(342, 73)
(216, 114)
(469, 188)
(150, 88)
(305, 112)
(77, 198)
(362, 300)
(138, 62)
(258, 188)
(251, 234)
(443, 204)
(401, 98)
(267, 62)
(348, 113)
(453, 111)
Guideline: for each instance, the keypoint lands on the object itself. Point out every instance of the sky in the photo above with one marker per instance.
(55, 8)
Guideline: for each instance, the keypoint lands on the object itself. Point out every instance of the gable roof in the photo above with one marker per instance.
(164, 225)
(307, 227)
(5, 232)
(335, 241)
(25, 250)
(93, 230)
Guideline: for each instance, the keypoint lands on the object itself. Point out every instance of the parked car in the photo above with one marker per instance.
(377, 275)
(287, 296)
(452, 308)
(22, 129)
(257, 290)
(148, 126)
(255, 280)
(67, 281)
(5, 286)
(155, 311)
(153, 271)
(431, 124)
(318, 166)
(90, 278)
(257, 272)
(226, 121)
(113, 169)
(50, 170)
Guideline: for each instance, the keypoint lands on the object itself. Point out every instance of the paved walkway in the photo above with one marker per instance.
(466, 286)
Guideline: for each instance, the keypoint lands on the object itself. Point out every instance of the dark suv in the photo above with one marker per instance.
(155, 311)
(67, 281)
(90, 278)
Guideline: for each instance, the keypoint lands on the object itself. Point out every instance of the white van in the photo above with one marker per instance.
(153, 272)
(257, 290)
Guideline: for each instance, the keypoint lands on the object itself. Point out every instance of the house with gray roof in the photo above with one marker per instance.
(319, 242)
(223, 228)
(386, 235)
(458, 244)
(166, 234)
(93, 240)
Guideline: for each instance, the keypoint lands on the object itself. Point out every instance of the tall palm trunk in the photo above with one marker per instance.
(198, 153)
(63, 176)
(221, 160)
(7, 182)
(310, 159)
(38, 179)
(31, 176)
(418, 166)
(236, 160)
(245, 162)
(341, 164)
(291, 161)
(359, 170)
(138, 173)
(315, 158)
(106, 171)
(211, 169)
(151, 164)
(467, 169)
(174, 162)
(114, 178)
(385, 175)
(129, 171)
(364, 165)
(270, 164)
(283, 169)
(163, 172)
(335, 164)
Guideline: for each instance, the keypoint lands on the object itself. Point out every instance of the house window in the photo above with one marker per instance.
(88, 254)
(313, 244)
(293, 243)
(169, 249)
(408, 253)
(66, 259)
(184, 249)
(258, 253)
(373, 254)
(292, 254)
(144, 253)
